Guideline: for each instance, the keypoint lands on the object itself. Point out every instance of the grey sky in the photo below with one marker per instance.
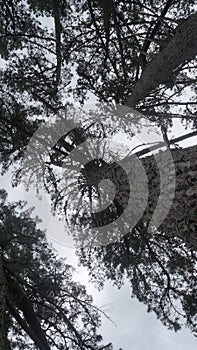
(135, 329)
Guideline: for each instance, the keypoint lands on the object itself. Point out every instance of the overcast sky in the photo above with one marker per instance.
(134, 328)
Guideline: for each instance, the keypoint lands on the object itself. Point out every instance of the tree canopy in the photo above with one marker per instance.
(44, 307)
(162, 273)
(111, 53)
(139, 54)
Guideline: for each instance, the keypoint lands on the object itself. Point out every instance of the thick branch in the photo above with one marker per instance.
(151, 34)
(58, 41)
(24, 325)
(25, 306)
(162, 144)
(182, 48)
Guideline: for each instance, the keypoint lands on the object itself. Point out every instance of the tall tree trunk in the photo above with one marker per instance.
(177, 217)
(181, 48)
(181, 219)
(2, 306)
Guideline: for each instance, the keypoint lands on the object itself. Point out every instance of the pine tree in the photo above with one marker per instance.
(141, 54)
(161, 273)
(41, 306)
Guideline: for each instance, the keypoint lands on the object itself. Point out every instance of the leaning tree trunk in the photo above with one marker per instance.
(2, 306)
(181, 48)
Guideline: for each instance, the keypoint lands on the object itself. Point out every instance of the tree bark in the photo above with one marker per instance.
(182, 48)
(171, 185)
(2, 306)
(30, 323)
(181, 219)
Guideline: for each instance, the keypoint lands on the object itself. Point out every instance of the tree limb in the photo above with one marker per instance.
(25, 306)
(182, 48)
(56, 14)
(24, 325)
(162, 144)
(151, 34)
